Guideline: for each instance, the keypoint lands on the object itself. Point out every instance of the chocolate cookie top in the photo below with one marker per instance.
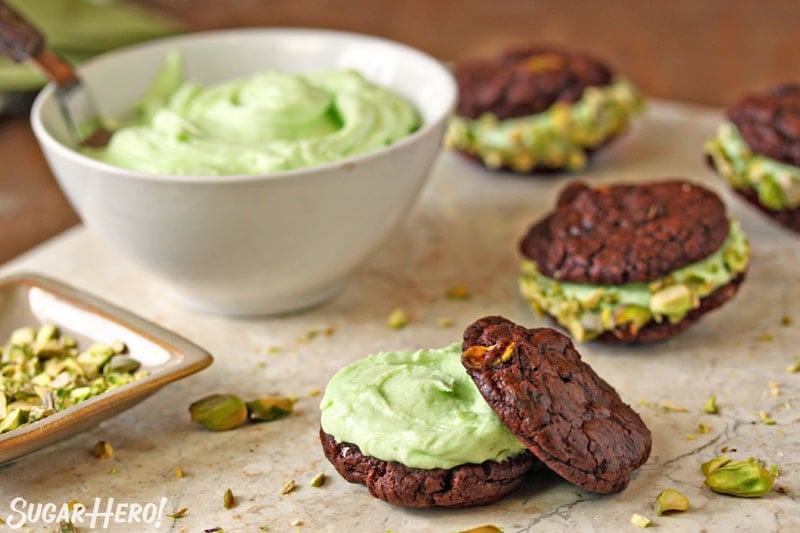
(770, 122)
(525, 81)
(571, 419)
(626, 233)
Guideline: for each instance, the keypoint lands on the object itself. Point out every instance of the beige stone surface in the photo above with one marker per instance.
(463, 232)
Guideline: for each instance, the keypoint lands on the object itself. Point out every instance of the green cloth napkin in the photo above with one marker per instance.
(80, 29)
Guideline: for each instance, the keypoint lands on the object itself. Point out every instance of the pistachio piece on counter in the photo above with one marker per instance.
(640, 521)
(228, 499)
(458, 292)
(483, 529)
(67, 527)
(270, 408)
(318, 480)
(178, 514)
(670, 500)
(398, 319)
(710, 406)
(102, 450)
(288, 487)
(747, 479)
(219, 412)
(709, 467)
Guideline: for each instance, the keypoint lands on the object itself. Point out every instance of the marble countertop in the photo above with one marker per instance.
(464, 232)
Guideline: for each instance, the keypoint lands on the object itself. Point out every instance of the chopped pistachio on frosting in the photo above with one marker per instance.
(777, 183)
(588, 310)
(556, 138)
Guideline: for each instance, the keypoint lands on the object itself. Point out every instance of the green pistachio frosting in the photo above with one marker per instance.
(776, 183)
(555, 138)
(418, 408)
(268, 122)
(588, 310)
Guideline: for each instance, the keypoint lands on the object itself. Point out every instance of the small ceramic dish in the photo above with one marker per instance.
(28, 299)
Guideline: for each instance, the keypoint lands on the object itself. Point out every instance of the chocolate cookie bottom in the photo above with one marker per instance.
(462, 486)
(789, 218)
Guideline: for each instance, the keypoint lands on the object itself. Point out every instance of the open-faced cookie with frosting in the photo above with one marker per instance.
(538, 108)
(757, 151)
(413, 428)
(632, 262)
(450, 427)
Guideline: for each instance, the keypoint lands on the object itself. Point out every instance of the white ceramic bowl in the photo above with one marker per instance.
(252, 244)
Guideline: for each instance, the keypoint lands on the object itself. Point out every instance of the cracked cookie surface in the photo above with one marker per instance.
(572, 420)
(525, 81)
(626, 233)
(770, 122)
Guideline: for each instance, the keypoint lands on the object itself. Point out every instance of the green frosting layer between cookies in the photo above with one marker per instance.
(588, 310)
(556, 138)
(418, 408)
(777, 183)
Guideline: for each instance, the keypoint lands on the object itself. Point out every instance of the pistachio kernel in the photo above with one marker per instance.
(670, 500)
(545, 61)
(228, 499)
(458, 292)
(219, 412)
(746, 479)
(710, 406)
(271, 408)
(67, 527)
(122, 363)
(288, 487)
(483, 529)
(639, 520)
(398, 319)
(670, 406)
(318, 480)
(483, 356)
(709, 467)
(102, 450)
(178, 514)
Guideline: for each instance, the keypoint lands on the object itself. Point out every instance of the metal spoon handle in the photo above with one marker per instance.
(21, 41)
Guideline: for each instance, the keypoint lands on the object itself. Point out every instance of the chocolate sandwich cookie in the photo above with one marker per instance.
(537, 109)
(414, 429)
(564, 413)
(757, 151)
(632, 263)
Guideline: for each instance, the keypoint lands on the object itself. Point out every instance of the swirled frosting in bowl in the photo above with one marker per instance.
(268, 122)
